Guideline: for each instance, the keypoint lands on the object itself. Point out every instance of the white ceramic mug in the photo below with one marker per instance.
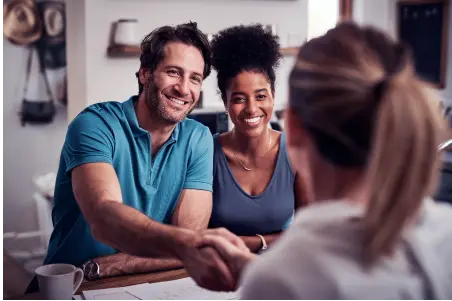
(56, 281)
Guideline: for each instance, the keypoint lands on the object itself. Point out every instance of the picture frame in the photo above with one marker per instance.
(423, 26)
(346, 10)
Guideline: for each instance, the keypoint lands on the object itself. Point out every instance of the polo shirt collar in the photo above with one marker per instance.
(129, 111)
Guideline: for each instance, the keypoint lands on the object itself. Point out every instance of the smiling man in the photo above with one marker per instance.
(136, 176)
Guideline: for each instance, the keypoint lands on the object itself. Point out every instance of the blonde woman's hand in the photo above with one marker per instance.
(207, 268)
(206, 265)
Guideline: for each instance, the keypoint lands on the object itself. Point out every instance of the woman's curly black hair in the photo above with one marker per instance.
(244, 48)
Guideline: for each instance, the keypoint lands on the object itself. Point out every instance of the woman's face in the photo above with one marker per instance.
(250, 103)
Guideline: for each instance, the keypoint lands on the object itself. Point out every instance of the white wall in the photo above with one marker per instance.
(382, 14)
(29, 150)
(99, 78)
(323, 15)
(113, 79)
(76, 56)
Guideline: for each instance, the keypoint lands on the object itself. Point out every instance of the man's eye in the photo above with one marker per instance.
(197, 80)
(261, 97)
(173, 72)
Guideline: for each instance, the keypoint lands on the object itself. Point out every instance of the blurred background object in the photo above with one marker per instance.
(125, 33)
(40, 27)
(421, 23)
(21, 24)
(15, 277)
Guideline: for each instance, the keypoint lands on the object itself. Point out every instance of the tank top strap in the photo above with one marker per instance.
(284, 156)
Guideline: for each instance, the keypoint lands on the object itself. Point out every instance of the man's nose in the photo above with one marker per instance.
(182, 87)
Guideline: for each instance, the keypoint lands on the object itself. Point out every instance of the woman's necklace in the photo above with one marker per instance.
(243, 165)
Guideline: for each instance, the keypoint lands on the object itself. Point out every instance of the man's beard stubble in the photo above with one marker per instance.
(156, 106)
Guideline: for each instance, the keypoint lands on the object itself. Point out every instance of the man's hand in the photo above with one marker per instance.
(206, 266)
(208, 270)
(236, 256)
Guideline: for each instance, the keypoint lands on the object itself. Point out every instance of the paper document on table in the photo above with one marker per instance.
(185, 289)
(117, 293)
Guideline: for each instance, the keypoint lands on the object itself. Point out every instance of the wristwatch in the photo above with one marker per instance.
(91, 270)
(264, 244)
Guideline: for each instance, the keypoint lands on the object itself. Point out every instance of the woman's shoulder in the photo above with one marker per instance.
(291, 269)
(218, 141)
(220, 137)
(283, 151)
(305, 262)
(435, 223)
(318, 258)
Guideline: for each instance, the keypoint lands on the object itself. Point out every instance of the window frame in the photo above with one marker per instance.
(345, 10)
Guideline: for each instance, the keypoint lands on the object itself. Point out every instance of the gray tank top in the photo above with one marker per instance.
(243, 214)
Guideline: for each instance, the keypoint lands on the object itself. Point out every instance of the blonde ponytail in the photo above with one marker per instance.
(404, 161)
(356, 93)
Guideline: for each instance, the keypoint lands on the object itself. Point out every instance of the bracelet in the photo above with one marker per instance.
(264, 243)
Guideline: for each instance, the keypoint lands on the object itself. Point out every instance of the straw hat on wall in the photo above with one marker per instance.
(21, 22)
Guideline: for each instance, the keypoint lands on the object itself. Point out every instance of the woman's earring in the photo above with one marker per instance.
(226, 111)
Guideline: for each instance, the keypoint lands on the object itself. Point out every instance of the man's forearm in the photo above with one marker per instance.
(130, 231)
(123, 264)
(254, 243)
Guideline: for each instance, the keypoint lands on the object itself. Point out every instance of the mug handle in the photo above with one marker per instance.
(79, 278)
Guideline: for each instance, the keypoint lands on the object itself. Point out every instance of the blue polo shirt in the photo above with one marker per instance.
(109, 132)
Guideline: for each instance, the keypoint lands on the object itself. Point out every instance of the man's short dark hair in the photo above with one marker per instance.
(152, 46)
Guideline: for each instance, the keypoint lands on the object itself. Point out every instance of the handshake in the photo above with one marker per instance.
(216, 259)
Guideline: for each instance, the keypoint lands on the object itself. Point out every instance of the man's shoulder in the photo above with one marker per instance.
(106, 109)
(100, 114)
(193, 125)
(194, 131)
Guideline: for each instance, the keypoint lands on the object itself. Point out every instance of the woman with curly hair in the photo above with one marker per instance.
(255, 189)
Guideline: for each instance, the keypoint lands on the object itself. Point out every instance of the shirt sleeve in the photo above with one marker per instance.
(89, 139)
(264, 284)
(200, 165)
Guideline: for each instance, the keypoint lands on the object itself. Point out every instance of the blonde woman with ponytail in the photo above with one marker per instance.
(367, 128)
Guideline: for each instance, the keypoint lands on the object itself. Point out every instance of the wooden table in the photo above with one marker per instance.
(121, 281)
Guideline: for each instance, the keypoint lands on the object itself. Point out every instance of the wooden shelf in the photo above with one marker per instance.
(289, 51)
(123, 51)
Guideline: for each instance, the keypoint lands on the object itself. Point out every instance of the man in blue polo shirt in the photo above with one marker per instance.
(136, 176)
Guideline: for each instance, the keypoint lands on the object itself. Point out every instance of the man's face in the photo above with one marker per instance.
(173, 89)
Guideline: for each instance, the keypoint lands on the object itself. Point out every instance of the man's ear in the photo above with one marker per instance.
(144, 75)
